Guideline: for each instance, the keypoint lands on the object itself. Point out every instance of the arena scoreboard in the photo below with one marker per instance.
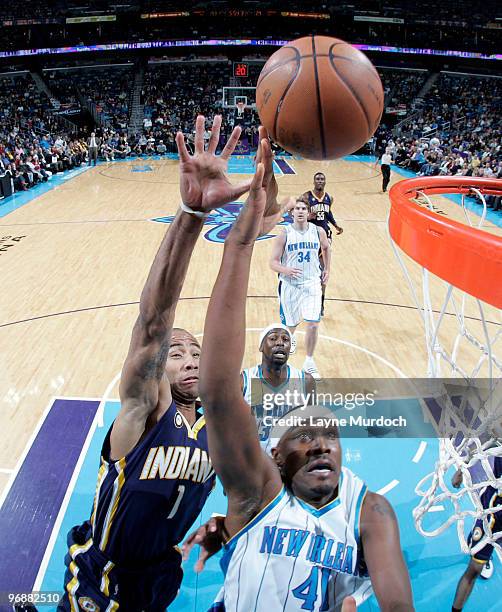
(241, 69)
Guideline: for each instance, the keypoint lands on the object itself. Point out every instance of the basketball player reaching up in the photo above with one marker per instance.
(155, 473)
(319, 203)
(274, 376)
(295, 256)
(302, 527)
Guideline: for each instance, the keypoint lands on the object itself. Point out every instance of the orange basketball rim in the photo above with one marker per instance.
(464, 256)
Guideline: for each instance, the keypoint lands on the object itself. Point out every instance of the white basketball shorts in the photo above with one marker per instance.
(299, 303)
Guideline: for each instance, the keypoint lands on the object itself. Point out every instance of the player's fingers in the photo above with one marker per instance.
(215, 135)
(200, 535)
(186, 548)
(197, 537)
(262, 132)
(231, 143)
(199, 134)
(182, 148)
(289, 203)
(256, 183)
(258, 152)
(349, 605)
(212, 525)
(284, 203)
(240, 188)
(201, 561)
(266, 152)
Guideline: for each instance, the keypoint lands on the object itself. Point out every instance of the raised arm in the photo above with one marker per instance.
(203, 186)
(143, 380)
(247, 474)
(383, 555)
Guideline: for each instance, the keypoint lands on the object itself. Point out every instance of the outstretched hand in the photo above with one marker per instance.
(210, 539)
(204, 184)
(249, 224)
(273, 209)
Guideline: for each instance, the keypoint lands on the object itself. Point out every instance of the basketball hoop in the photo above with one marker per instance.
(468, 263)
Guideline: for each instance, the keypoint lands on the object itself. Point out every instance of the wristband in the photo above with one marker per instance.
(196, 213)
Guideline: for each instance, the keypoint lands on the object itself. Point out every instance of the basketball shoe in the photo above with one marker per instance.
(310, 367)
(487, 570)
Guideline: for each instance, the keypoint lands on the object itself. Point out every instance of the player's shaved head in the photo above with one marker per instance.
(179, 333)
(332, 429)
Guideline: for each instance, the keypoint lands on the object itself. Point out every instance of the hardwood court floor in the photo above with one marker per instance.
(70, 286)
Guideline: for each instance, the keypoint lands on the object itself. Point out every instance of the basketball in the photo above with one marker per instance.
(319, 97)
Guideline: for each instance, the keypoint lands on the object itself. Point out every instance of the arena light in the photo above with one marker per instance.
(239, 42)
(305, 15)
(164, 15)
(91, 19)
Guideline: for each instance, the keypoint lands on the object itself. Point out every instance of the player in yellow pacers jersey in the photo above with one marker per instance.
(155, 472)
(319, 203)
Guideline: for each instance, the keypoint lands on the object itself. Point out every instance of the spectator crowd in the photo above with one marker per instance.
(456, 133)
(454, 130)
(33, 144)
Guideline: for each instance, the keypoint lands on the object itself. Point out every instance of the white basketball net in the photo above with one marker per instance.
(474, 434)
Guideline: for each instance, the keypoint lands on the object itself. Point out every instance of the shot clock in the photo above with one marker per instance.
(241, 69)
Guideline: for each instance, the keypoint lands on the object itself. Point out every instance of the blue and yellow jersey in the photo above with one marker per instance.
(492, 496)
(321, 207)
(145, 502)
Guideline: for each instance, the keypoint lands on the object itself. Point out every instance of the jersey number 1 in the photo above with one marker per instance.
(308, 590)
(174, 509)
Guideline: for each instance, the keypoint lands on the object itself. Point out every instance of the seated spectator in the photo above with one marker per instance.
(150, 146)
(18, 179)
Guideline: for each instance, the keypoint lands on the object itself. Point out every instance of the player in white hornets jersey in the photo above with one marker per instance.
(316, 552)
(300, 529)
(295, 256)
(274, 387)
